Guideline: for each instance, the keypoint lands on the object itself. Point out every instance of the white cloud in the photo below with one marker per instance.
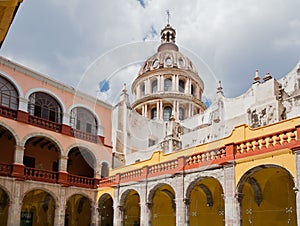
(62, 38)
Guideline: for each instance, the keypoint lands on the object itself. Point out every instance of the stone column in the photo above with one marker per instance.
(173, 83)
(94, 214)
(146, 110)
(18, 166)
(297, 185)
(138, 91)
(232, 206)
(157, 110)
(118, 209)
(161, 110)
(14, 211)
(144, 219)
(60, 209)
(162, 88)
(179, 199)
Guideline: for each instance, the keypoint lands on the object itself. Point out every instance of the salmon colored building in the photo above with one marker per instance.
(167, 158)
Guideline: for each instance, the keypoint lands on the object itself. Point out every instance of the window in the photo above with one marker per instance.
(8, 94)
(192, 89)
(181, 85)
(167, 113)
(155, 63)
(44, 106)
(168, 84)
(83, 120)
(154, 113)
(143, 89)
(168, 61)
(154, 86)
(181, 113)
(104, 170)
(151, 142)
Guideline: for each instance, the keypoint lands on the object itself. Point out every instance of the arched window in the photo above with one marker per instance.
(181, 113)
(181, 85)
(143, 90)
(83, 120)
(168, 84)
(104, 169)
(8, 94)
(44, 106)
(167, 113)
(192, 90)
(154, 113)
(154, 86)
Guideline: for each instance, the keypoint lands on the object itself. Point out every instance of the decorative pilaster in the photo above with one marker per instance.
(232, 206)
(118, 209)
(14, 211)
(95, 214)
(144, 206)
(60, 209)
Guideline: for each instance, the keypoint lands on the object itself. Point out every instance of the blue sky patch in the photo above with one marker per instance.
(142, 3)
(103, 86)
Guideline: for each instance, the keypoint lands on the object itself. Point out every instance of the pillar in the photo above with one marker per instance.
(14, 212)
(60, 209)
(94, 214)
(297, 185)
(62, 172)
(157, 110)
(18, 166)
(118, 209)
(232, 206)
(145, 216)
(179, 200)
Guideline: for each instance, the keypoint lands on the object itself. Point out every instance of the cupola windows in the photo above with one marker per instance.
(167, 113)
(168, 84)
(154, 86)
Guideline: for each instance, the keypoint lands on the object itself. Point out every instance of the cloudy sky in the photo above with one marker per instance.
(84, 44)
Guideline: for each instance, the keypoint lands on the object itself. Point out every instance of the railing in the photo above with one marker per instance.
(84, 136)
(5, 169)
(46, 124)
(7, 112)
(131, 175)
(215, 156)
(164, 167)
(108, 181)
(40, 175)
(266, 143)
(80, 181)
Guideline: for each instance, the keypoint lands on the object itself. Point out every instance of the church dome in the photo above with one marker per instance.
(168, 83)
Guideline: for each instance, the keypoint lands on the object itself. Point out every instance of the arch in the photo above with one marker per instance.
(8, 147)
(104, 169)
(163, 206)
(54, 196)
(13, 81)
(78, 211)
(206, 203)
(4, 206)
(38, 206)
(154, 113)
(49, 92)
(9, 94)
(106, 211)
(99, 122)
(167, 113)
(168, 84)
(54, 140)
(12, 131)
(267, 196)
(83, 120)
(130, 207)
(154, 85)
(81, 161)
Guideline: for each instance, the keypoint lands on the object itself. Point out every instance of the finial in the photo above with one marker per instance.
(124, 89)
(256, 78)
(220, 88)
(267, 76)
(168, 16)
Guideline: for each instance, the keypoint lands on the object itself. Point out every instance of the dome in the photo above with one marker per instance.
(167, 58)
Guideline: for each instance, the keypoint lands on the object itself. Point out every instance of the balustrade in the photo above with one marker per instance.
(5, 169)
(40, 175)
(44, 123)
(81, 181)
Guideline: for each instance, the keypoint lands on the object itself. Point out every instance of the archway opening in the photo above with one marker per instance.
(106, 211)
(267, 197)
(131, 209)
(7, 148)
(206, 205)
(38, 208)
(81, 162)
(163, 206)
(41, 153)
(78, 212)
(4, 205)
